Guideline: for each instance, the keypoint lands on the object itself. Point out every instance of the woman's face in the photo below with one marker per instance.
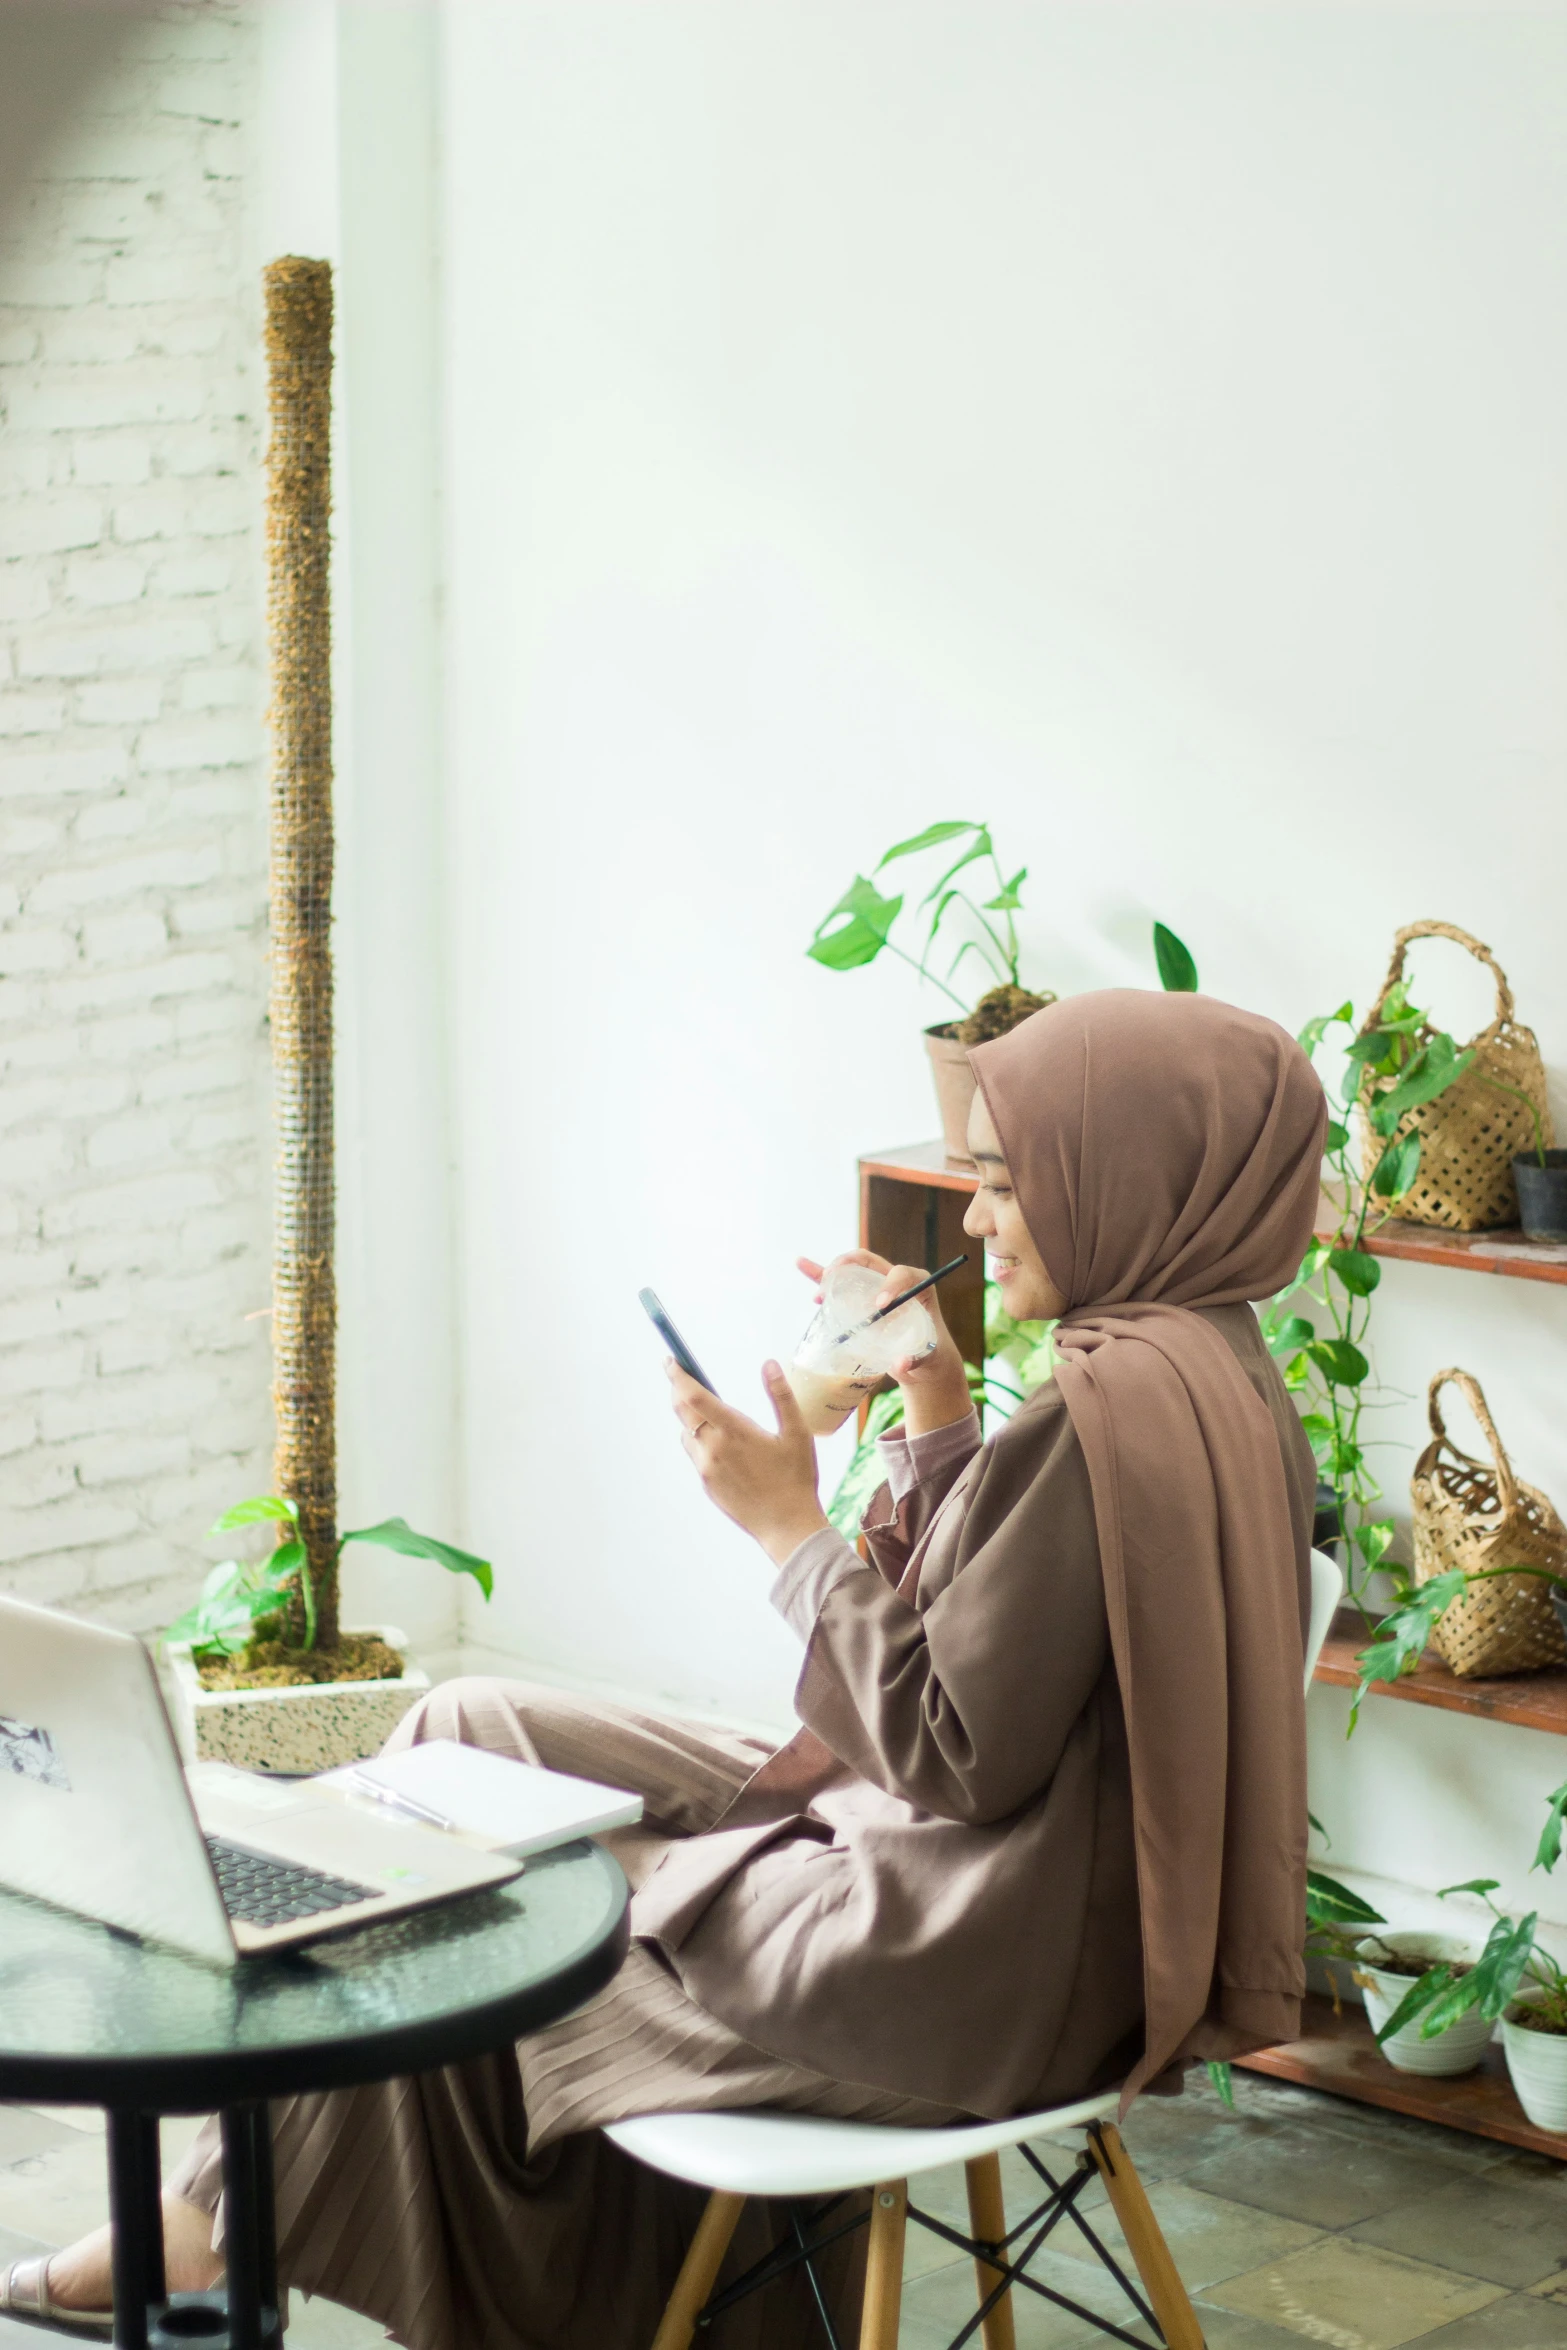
(1027, 1291)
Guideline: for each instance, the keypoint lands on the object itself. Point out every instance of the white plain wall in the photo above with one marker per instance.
(1137, 426)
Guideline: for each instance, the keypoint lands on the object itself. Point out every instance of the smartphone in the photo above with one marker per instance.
(673, 1340)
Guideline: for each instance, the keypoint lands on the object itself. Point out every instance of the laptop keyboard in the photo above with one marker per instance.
(262, 1891)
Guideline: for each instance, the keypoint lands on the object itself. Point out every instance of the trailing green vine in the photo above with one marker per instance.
(1392, 1066)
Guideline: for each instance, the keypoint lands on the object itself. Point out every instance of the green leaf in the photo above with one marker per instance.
(1336, 1138)
(1355, 1270)
(1373, 1538)
(1008, 902)
(1177, 967)
(1223, 2078)
(397, 1534)
(285, 1561)
(1340, 1361)
(1397, 1168)
(1430, 1073)
(927, 840)
(1456, 1998)
(1482, 1885)
(1314, 1031)
(1502, 1965)
(864, 1474)
(1416, 2000)
(862, 936)
(1402, 1636)
(1328, 1903)
(979, 848)
(1288, 1336)
(1549, 1849)
(254, 1513)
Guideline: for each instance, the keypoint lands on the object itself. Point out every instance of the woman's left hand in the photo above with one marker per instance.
(766, 1483)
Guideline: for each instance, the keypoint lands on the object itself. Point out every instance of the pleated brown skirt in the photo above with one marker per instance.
(481, 2208)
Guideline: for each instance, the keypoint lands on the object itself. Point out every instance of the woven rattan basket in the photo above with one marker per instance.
(1467, 1515)
(1470, 1135)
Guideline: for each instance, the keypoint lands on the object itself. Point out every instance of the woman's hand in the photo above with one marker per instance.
(767, 1484)
(935, 1386)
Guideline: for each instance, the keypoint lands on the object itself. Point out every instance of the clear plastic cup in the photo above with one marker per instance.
(844, 1356)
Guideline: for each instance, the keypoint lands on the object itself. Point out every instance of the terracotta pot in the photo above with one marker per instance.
(954, 1076)
(313, 1727)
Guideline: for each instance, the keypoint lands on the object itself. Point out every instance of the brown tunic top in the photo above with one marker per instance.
(932, 1889)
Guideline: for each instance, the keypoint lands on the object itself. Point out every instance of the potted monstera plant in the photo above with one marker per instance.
(953, 915)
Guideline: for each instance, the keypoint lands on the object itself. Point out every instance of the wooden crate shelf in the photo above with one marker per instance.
(1337, 2053)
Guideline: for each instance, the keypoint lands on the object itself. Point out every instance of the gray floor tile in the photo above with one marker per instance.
(24, 2133)
(1521, 2322)
(1511, 2231)
(1329, 2177)
(1232, 2329)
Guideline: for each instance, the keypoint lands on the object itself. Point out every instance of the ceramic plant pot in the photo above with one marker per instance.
(1458, 2049)
(955, 1081)
(313, 1728)
(1537, 2062)
(1542, 1195)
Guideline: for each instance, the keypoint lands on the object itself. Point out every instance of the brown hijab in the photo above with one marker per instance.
(1165, 1151)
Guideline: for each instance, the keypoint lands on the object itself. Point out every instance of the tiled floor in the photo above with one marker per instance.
(1295, 2216)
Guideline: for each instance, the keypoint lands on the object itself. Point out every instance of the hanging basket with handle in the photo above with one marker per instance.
(1470, 1135)
(1477, 1517)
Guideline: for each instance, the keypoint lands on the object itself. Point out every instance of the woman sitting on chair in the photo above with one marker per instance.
(1043, 1828)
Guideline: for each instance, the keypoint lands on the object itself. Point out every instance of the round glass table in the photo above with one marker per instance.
(90, 2016)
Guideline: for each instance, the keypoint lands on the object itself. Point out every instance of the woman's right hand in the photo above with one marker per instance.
(935, 1386)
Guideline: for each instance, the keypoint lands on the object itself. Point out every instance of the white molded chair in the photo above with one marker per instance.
(803, 2159)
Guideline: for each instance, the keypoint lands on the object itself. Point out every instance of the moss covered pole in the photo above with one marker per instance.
(299, 622)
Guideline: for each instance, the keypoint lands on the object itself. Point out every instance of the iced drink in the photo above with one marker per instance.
(844, 1356)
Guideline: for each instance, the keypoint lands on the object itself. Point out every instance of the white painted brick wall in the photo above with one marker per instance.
(133, 1130)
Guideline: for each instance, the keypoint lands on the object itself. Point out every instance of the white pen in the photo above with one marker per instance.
(395, 1802)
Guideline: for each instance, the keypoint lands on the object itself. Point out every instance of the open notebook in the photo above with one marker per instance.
(511, 1807)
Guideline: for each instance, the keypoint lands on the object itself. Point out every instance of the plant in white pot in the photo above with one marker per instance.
(1515, 1980)
(264, 1675)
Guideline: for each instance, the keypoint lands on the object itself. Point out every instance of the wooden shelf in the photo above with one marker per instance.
(1505, 1252)
(1338, 2053)
(921, 1162)
(1537, 1701)
(1470, 1252)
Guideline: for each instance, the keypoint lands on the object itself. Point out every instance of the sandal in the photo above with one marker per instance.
(24, 2295)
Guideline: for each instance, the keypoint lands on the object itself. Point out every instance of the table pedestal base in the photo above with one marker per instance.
(244, 2316)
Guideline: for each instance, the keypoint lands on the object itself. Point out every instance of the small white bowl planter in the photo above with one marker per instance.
(1537, 2062)
(1458, 2049)
(314, 1727)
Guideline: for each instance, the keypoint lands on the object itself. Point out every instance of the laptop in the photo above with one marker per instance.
(97, 1815)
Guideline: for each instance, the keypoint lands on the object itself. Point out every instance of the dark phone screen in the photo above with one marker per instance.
(673, 1340)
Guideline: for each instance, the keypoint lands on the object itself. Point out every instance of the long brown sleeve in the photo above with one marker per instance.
(960, 1699)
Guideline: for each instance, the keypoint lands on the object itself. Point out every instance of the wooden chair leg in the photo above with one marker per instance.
(702, 2264)
(884, 2266)
(987, 2217)
(1145, 2240)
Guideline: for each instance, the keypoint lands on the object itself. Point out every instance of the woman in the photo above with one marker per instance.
(1043, 1828)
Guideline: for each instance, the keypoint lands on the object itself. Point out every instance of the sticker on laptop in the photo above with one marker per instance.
(31, 1754)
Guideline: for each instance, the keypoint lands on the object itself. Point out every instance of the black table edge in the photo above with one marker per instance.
(201, 2080)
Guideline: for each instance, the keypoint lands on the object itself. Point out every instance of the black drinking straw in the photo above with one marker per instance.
(893, 1303)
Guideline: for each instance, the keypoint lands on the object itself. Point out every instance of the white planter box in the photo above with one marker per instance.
(312, 1728)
